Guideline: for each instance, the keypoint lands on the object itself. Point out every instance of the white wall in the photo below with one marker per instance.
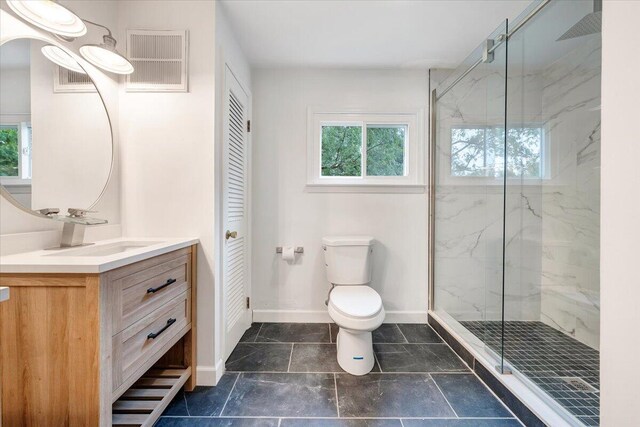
(168, 152)
(284, 214)
(620, 221)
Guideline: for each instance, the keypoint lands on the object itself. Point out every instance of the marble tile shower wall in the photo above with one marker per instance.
(571, 206)
(552, 225)
(469, 213)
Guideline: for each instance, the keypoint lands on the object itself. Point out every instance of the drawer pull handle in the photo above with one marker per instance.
(154, 335)
(167, 283)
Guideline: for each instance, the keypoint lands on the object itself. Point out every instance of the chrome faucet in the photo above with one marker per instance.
(75, 224)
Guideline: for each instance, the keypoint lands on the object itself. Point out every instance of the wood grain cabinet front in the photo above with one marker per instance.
(72, 346)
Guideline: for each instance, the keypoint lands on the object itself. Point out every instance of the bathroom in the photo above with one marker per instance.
(403, 213)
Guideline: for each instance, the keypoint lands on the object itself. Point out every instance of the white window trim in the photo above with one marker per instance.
(413, 182)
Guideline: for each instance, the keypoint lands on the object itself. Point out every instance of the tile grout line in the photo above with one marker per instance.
(335, 385)
(445, 397)
(186, 404)
(375, 356)
(229, 396)
(406, 341)
(258, 334)
(401, 423)
(290, 358)
(279, 421)
(330, 337)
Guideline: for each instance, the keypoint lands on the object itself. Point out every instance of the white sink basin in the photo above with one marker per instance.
(104, 250)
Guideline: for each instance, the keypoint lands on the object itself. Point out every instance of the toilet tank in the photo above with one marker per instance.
(348, 259)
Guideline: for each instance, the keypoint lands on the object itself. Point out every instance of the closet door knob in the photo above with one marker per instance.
(230, 235)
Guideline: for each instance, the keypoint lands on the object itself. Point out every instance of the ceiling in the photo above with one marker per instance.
(364, 33)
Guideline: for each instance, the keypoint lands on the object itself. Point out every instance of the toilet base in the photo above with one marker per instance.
(355, 351)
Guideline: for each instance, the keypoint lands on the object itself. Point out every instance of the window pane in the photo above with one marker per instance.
(479, 151)
(9, 151)
(469, 152)
(525, 152)
(385, 150)
(341, 150)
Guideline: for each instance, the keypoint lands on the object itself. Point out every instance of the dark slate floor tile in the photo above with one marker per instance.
(251, 333)
(334, 332)
(283, 395)
(259, 357)
(388, 333)
(419, 333)
(469, 397)
(317, 358)
(418, 358)
(217, 422)
(306, 422)
(390, 395)
(505, 395)
(314, 358)
(178, 406)
(463, 423)
(294, 332)
(202, 401)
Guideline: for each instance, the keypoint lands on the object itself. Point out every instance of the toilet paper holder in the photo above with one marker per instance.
(297, 250)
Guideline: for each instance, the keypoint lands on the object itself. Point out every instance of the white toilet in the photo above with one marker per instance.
(353, 305)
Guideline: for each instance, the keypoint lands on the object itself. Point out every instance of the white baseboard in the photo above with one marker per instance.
(406, 317)
(209, 375)
(291, 316)
(322, 316)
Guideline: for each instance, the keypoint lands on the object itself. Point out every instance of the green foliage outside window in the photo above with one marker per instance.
(342, 150)
(385, 150)
(479, 151)
(9, 151)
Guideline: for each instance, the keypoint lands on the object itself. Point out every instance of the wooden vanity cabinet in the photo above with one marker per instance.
(98, 349)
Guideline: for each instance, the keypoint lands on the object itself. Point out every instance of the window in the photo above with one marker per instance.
(15, 153)
(478, 151)
(353, 151)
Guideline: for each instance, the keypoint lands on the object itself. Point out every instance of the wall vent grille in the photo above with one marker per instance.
(67, 81)
(160, 60)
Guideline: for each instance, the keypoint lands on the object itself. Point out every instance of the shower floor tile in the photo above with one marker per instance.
(548, 358)
(288, 375)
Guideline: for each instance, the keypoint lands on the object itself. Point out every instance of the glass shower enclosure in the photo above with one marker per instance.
(515, 218)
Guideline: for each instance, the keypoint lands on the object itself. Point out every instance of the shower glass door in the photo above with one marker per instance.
(469, 191)
(552, 226)
(516, 193)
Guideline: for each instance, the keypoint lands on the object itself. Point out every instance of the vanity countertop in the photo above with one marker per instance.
(102, 256)
(4, 293)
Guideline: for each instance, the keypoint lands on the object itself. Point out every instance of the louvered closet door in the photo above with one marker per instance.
(237, 316)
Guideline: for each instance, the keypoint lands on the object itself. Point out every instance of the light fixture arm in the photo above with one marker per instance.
(98, 25)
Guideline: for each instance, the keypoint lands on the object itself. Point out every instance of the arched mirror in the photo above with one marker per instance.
(56, 147)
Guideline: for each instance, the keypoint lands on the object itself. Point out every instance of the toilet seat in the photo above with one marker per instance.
(358, 308)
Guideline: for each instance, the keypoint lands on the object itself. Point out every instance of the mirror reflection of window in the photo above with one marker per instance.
(15, 151)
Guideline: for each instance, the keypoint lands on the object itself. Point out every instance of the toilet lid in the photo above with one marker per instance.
(356, 301)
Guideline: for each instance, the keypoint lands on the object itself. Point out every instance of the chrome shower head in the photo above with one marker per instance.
(590, 24)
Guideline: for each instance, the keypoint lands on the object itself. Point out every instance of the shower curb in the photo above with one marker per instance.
(524, 414)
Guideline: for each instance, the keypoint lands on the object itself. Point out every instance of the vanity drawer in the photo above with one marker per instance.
(136, 292)
(141, 344)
